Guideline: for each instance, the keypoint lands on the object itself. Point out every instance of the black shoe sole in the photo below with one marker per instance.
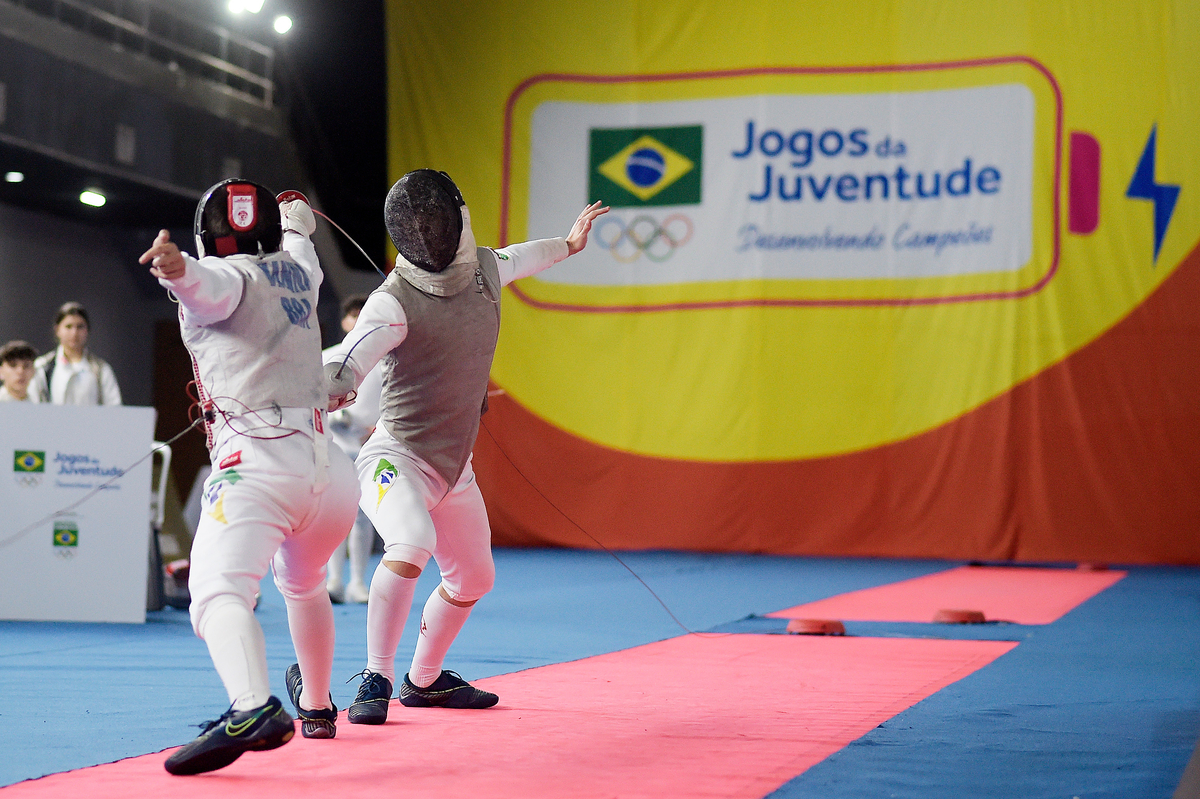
(317, 728)
(458, 701)
(202, 764)
(374, 711)
(221, 757)
(460, 696)
(309, 727)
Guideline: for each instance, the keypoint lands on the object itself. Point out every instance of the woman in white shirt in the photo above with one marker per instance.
(71, 374)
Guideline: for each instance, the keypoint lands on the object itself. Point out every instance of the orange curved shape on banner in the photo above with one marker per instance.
(1055, 469)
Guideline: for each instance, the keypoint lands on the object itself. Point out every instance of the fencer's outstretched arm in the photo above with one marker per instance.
(530, 257)
(208, 290)
(382, 325)
(380, 328)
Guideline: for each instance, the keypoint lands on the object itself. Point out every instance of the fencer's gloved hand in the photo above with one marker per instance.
(339, 384)
(295, 213)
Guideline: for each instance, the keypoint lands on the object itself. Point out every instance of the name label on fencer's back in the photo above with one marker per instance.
(287, 275)
(891, 185)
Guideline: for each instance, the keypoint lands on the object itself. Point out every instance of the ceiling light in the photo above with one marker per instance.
(93, 198)
(283, 24)
(14, 177)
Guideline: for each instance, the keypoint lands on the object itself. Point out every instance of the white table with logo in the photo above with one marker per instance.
(75, 525)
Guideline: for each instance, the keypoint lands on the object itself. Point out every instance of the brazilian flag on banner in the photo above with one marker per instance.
(636, 167)
(66, 534)
(29, 461)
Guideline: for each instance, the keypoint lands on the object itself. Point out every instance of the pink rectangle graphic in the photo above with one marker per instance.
(1083, 212)
(729, 716)
(1002, 593)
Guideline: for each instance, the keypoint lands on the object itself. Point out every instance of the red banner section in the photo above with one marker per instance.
(1083, 462)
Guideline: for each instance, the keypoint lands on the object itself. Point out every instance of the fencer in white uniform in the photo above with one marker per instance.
(433, 324)
(280, 496)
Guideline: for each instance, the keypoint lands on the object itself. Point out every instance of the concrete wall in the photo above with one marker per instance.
(46, 261)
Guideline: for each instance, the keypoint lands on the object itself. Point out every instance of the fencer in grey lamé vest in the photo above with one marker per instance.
(278, 314)
(435, 382)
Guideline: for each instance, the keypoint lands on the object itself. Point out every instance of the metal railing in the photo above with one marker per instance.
(157, 31)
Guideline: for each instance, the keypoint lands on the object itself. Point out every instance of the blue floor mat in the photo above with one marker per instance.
(1104, 702)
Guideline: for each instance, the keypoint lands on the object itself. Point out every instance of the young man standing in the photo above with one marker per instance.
(434, 323)
(16, 372)
(280, 496)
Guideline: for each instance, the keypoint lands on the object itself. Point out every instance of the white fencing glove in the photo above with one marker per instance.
(339, 384)
(295, 213)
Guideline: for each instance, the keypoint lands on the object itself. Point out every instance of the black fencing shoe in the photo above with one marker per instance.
(313, 723)
(370, 705)
(237, 731)
(448, 690)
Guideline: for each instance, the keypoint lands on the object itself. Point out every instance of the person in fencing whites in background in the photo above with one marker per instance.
(279, 495)
(434, 323)
(71, 374)
(351, 426)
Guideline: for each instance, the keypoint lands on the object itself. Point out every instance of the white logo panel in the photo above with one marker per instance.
(878, 185)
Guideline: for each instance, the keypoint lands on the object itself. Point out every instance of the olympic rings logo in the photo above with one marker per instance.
(644, 234)
(28, 480)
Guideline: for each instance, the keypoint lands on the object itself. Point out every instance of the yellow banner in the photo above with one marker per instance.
(834, 226)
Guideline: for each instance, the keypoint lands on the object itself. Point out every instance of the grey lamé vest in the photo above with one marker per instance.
(435, 381)
(268, 352)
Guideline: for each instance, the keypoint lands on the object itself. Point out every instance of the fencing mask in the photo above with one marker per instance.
(424, 214)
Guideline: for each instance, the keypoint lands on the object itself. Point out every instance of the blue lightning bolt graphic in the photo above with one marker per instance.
(1164, 195)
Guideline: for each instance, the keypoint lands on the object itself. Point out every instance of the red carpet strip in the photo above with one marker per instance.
(1004, 593)
(696, 716)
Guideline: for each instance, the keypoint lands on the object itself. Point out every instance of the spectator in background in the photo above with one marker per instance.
(71, 375)
(16, 372)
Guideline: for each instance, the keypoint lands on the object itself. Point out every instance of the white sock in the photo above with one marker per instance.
(333, 570)
(440, 623)
(387, 611)
(235, 643)
(311, 624)
(358, 544)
